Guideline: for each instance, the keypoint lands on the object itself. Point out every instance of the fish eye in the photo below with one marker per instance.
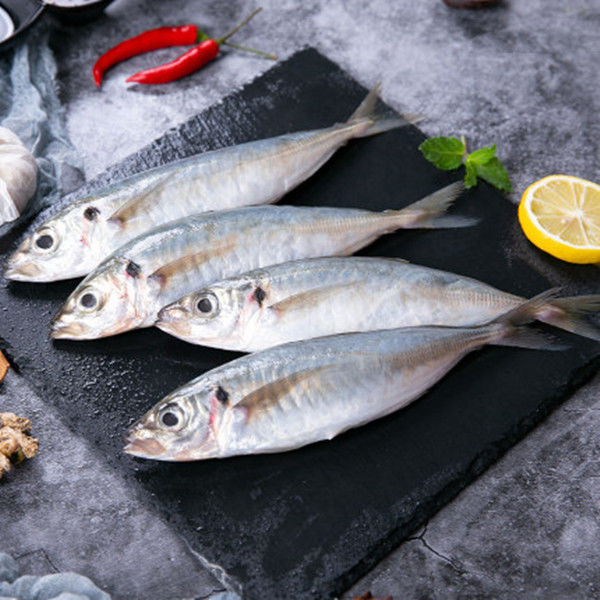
(169, 419)
(172, 416)
(44, 241)
(88, 300)
(206, 304)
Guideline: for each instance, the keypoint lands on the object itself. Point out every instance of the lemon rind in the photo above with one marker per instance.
(537, 234)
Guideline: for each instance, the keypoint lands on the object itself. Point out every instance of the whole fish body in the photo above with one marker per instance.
(73, 242)
(299, 393)
(324, 296)
(133, 284)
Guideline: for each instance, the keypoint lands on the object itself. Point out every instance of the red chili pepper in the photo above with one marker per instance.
(183, 65)
(163, 37)
(193, 59)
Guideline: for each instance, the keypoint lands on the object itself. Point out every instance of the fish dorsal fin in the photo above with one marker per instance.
(137, 204)
(268, 395)
(189, 262)
(310, 298)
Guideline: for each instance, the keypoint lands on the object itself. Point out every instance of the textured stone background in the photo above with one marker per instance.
(524, 75)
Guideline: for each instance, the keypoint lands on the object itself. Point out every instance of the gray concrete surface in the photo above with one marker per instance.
(521, 75)
(528, 528)
(524, 76)
(109, 535)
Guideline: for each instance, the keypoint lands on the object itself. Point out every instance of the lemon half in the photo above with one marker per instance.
(560, 214)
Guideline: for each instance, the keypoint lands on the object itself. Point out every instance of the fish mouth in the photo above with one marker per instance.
(143, 447)
(172, 320)
(66, 331)
(23, 271)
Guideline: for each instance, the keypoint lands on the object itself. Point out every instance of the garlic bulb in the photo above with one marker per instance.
(18, 176)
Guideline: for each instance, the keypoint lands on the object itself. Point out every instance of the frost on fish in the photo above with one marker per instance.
(176, 259)
(324, 296)
(303, 392)
(83, 234)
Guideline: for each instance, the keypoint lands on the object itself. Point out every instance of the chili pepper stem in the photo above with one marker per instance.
(246, 49)
(194, 58)
(238, 27)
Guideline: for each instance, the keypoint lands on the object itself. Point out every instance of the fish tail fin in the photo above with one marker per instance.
(428, 213)
(567, 313)
(375, 121)
(510, 328)
(523, 337)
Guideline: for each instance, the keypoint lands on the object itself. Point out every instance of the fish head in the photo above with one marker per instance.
(210, 316)
(107, 302)
(181, 427)
(62, 247)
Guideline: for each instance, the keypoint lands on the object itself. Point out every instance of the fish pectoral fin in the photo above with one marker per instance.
(189, 262)
(270, 394)
(167, 272)
(134, 206)
(310, 298)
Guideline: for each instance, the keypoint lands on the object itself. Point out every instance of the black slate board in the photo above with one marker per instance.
(306, 524)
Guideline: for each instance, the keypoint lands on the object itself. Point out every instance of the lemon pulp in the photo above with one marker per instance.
(560, 214)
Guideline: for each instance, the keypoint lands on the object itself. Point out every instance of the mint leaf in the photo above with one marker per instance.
(494, 172)
(450, 153)
(470, 175)
(483, 155)
(444, 152)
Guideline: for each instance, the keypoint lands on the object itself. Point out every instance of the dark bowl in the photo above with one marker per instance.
(78, 14)
(23, 13)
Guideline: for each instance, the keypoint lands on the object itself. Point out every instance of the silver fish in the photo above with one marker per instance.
(77, 239)
(133, 284)
(323, 296)
(299, 393)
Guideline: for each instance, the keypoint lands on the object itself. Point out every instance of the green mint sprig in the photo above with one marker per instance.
(449, 153)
